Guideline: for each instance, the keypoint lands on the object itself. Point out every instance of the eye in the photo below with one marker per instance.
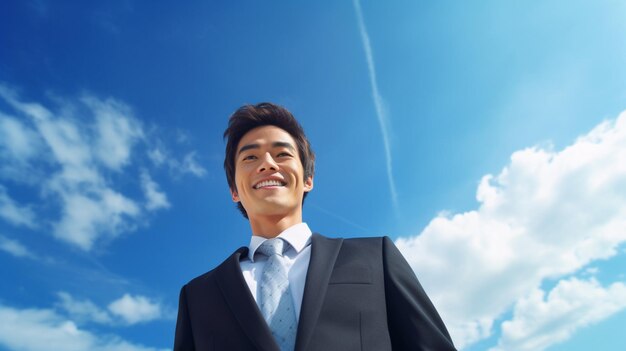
(249, 157)
(284, 154)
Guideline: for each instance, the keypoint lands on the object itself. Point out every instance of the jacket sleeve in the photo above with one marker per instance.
(414, 323)
(183, 340)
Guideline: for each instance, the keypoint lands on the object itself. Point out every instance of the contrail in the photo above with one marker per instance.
(378, 100)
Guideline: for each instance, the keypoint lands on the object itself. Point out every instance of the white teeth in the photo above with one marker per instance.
(270, 182)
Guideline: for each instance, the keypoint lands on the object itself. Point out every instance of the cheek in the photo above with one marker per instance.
(239, 187)
(240, 174)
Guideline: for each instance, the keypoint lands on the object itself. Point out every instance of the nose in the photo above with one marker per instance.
(267, 162)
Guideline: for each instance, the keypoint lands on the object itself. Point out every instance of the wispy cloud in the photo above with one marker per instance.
(72, 157)
(545, 217)
(190, 165)
(381, 113)
(15, 248)
(14, 213)
(34, 329)
(135, 309)
(126, 310)
(83, 311)
(20, 145)
(18, 141)
(155, 198)
(115, 136)
(161, 156)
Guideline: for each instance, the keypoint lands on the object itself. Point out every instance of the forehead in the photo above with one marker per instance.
(265, 135)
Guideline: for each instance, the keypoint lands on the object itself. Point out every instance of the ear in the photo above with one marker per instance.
(308, 184)
(234, 195)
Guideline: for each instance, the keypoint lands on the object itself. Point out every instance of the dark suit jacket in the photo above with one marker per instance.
(360, 294)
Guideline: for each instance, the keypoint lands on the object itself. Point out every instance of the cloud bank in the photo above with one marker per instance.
(544, 218)
(540, 320)
(44, 329)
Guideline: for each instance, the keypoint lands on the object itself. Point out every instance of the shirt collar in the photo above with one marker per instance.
(298, 236)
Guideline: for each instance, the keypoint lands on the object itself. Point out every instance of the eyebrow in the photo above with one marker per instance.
(275, 144)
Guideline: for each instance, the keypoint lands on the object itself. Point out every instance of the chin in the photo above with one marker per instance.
(276, 210)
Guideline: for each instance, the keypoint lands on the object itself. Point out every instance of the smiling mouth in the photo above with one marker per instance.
(269, 183)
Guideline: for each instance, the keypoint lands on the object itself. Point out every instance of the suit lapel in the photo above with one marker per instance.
(324, 252)
(242, 304)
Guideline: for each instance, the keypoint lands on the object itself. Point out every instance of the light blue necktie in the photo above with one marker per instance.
(275, 298)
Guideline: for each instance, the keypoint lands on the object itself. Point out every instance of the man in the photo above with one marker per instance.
(291, 289)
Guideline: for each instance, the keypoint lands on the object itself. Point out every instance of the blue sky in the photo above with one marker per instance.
(486, 138)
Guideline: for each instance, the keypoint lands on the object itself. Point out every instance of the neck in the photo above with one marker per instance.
(271, 226)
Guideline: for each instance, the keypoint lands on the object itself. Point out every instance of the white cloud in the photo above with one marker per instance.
(20, 145)
(17, 140)
(157, 156)
(43, 329)
(540, 321)
(545, 215)
(117, 131)
(90, 207)
(191, 165)
(14, 213)
(87, 144)
(87, 218)
(154, 197)
(63, 135)
(82, 311)
(135, 309)
(127, 310)
(15, 248)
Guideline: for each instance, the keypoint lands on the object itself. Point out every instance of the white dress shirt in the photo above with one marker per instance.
(296, 259)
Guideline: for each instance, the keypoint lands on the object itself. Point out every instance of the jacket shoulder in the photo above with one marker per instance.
(210, 275)
(372, 240)
(202, 278)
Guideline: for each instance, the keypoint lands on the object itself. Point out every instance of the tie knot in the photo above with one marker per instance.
(271, 247)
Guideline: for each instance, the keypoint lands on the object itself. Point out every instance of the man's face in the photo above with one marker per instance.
(268, 173)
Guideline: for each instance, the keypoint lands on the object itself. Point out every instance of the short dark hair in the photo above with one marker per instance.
(248, 117)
